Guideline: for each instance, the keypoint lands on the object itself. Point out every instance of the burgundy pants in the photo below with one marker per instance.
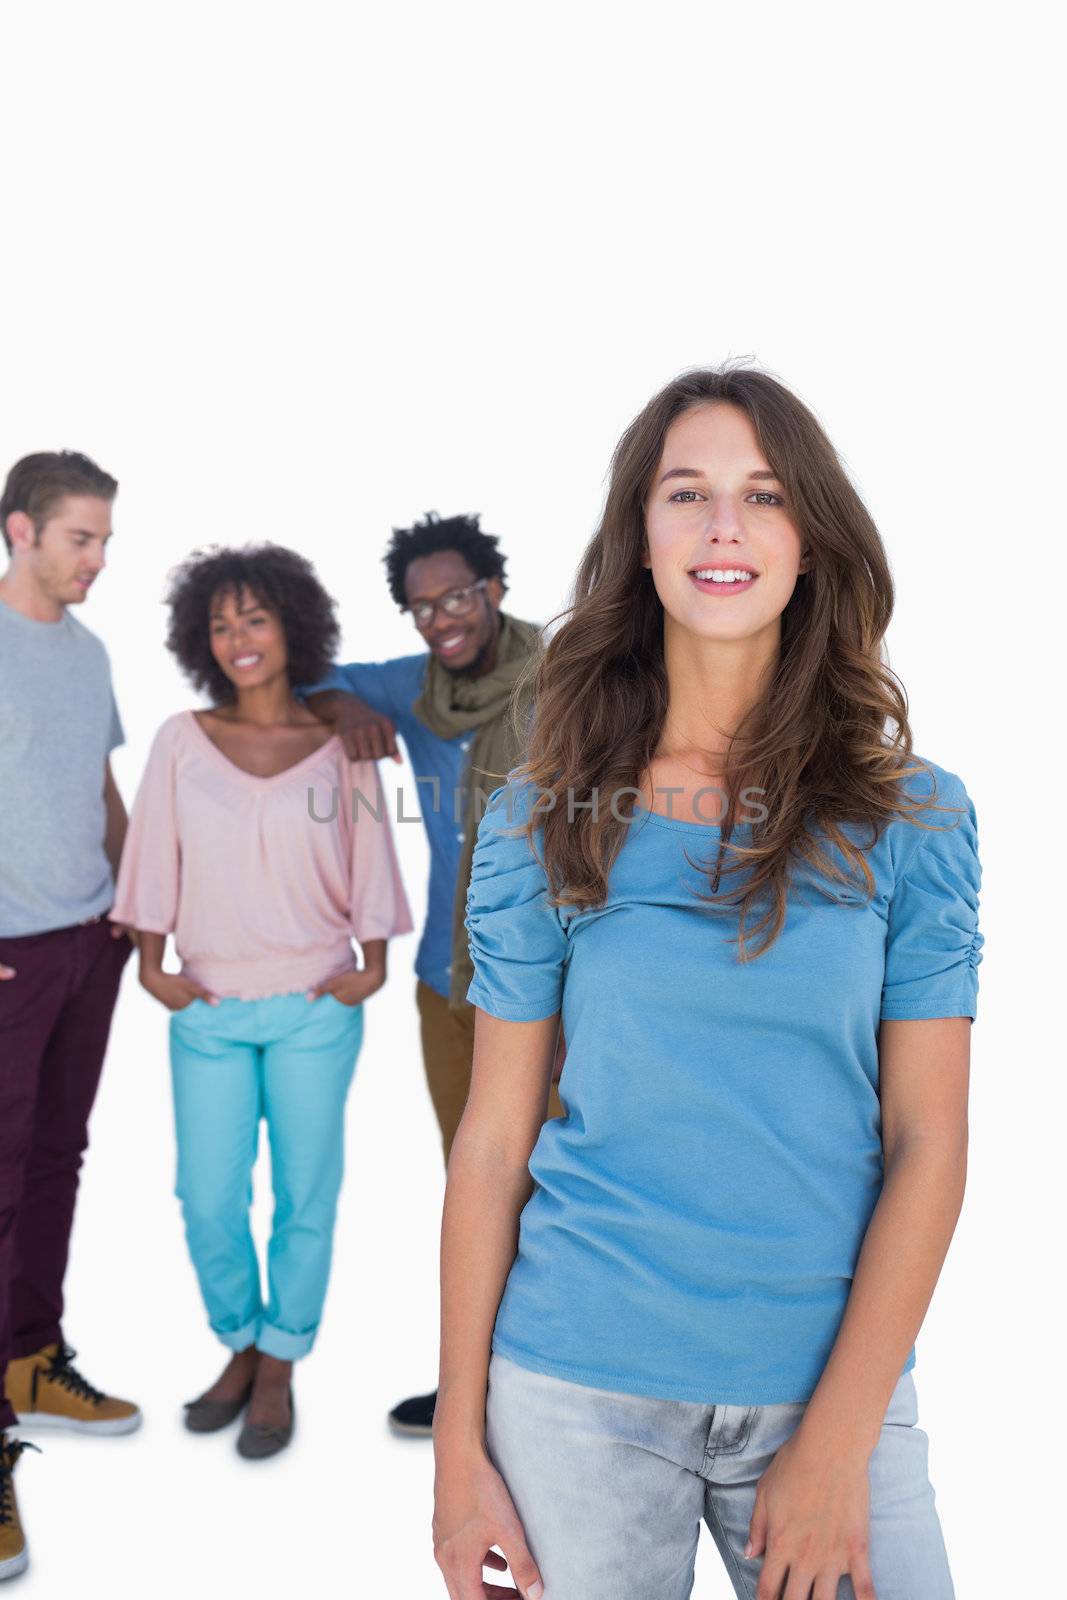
(54, 1020)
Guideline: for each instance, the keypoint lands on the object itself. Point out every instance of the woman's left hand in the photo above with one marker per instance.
(351, 988)
(811, 1522)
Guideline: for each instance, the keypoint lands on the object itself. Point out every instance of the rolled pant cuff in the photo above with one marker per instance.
(284, 1346)
(241, 1338)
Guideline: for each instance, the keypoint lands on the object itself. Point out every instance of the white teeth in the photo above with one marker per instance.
(446, 644)
(717, 575)
(246, 661)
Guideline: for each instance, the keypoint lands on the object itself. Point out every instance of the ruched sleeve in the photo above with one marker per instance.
(933, 944)
(149, 877)
(517, 943)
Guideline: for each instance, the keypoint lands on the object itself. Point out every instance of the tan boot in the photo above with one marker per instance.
(14, 1557)
(46, 1391)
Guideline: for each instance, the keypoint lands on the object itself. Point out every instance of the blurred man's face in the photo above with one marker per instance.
(461, 642)
(67, 555)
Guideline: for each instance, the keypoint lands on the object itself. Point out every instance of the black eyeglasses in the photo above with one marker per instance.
(456, 603)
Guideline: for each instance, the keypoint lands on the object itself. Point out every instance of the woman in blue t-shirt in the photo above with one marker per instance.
(754, 911)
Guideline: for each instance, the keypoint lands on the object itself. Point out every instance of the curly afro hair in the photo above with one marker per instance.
(281, 581)
(433, 534)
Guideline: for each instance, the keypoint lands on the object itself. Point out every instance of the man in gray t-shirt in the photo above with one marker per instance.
(58, 725)
(61, 830)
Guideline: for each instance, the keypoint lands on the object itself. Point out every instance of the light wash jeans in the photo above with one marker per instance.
(611, 1488)
(288, 1060)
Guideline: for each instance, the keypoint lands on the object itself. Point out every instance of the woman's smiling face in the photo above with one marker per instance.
(715, 507)
(247, 639)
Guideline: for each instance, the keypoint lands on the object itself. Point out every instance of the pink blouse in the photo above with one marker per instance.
(263, 881)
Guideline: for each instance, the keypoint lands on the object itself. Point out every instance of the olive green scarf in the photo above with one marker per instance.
(450, 704)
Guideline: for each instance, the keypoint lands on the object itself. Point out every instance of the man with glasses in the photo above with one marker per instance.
(451, 704)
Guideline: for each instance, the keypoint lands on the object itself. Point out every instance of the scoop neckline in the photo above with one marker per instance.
(256, 777)
(681, 823)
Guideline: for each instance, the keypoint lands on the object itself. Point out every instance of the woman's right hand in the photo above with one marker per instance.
(174, 990)
(472, 1513)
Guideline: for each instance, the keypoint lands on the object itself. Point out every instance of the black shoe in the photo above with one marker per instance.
(414, 1415)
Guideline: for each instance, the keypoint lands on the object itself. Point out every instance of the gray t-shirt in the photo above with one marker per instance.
(58, 723)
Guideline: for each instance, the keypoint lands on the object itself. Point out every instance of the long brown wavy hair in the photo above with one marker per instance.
(828, 741)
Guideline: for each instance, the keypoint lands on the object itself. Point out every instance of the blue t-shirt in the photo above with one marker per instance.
(697, 1214)
(441, 769)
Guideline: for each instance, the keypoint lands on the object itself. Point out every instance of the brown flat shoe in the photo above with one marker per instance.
(207, 1416)
(257, 1440)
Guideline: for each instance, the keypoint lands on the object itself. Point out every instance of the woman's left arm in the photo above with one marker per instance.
(924, 1072)
(812, 1505)
(353, 987)
(378, 909)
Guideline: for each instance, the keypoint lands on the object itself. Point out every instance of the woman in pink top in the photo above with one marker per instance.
(264, 850)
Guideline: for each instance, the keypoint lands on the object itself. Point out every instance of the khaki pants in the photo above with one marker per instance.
(448, 1054)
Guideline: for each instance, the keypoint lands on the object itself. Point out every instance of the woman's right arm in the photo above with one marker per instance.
(488, 1184)
(148, 883)
(171, 989)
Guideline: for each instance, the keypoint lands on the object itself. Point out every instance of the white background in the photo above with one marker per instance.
(304, 273)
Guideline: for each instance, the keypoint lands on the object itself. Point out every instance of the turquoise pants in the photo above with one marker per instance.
(290, 1061)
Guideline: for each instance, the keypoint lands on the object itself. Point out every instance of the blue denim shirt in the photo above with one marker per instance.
(392, 687)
